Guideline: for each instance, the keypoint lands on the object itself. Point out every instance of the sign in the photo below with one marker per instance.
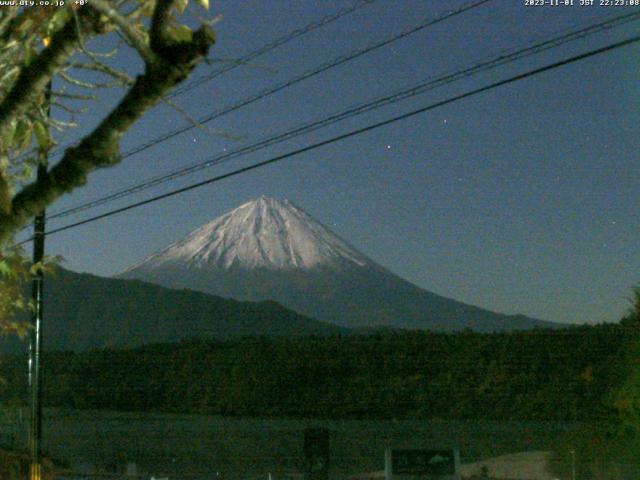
(419, 462)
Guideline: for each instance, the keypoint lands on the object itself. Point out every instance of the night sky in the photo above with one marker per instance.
(520, 200)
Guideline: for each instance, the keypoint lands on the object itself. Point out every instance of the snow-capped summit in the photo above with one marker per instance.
(263, 233)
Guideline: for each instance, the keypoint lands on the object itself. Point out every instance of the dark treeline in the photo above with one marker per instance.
(542, 374)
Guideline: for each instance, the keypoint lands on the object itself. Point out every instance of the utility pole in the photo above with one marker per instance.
(35, 346)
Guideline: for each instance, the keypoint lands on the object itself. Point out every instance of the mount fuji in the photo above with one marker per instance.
(268, 249)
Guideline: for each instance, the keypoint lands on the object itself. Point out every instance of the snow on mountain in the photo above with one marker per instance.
(263, 233)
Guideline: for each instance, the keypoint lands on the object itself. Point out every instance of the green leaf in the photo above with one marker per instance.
(30, 55)
(147, 7)
(9, 78)
(203, 3)
(6, 138)
(36, 269)
(26, 25)
(22, 136)
(9, 44)
(42, 135)
(181, 33)
(25, 172)
(5, 269)
(181, 5)
(142, 31)
(58, 20)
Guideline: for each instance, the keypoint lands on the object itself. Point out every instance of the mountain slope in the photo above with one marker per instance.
(270, 249)
(85, 311)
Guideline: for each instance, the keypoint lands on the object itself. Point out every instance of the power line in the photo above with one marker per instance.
(304, 76)
(272, 46)
(353, 133)
(356, 110)
(307, 75)
(299, 32)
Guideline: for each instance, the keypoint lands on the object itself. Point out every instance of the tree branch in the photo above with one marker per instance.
(105, 69)
(159, 23)
(6, 17)
(130, 33)
(199, 125)
(34, 78)
(101, 148)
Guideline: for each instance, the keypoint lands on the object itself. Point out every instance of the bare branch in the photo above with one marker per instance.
(14, 18)
(202, 20)
(91, 86)
(101, 148)
(81, 43)
(134, 15)
(7, 16)
(60, 125)
(74, 81)
(106, 69)
(68, 109)
(71, 96)
(92, 55)
(34, 78)
(193, 121)
(130, 33)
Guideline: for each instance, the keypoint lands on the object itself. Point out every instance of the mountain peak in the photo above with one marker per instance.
(265, 202)
(269, 249)
(262, 233)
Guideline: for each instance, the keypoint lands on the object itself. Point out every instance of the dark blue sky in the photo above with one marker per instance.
(520, 200)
